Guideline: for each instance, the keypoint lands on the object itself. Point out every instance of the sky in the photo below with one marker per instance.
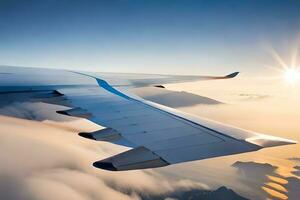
(143, 36)
(171, 37)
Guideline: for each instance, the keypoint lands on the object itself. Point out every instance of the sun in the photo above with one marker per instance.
(290, 72)
(292, 75)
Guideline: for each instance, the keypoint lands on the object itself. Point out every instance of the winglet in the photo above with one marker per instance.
(232, 75)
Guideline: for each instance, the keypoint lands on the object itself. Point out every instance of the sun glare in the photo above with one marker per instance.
(290, 72)
(292, 75)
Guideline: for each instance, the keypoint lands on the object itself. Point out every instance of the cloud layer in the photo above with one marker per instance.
(45, 160)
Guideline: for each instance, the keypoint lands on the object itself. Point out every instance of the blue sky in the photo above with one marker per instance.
(174, 37)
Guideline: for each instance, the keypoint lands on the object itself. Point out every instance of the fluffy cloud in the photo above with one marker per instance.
(46, 159)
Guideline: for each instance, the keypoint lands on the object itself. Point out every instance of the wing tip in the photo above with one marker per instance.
(232, 75)
(270, 141)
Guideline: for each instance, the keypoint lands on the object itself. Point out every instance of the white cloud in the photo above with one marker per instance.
(46, 160)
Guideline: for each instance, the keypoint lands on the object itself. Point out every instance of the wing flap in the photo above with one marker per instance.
(137, 158)
(107, 134)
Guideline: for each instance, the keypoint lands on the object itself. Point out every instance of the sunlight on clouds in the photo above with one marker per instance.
(48, 160)
(276, 186)
(277, 180)
(275, 194)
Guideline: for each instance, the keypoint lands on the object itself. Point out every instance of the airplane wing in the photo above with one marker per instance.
(158, 135)
(158, 80)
